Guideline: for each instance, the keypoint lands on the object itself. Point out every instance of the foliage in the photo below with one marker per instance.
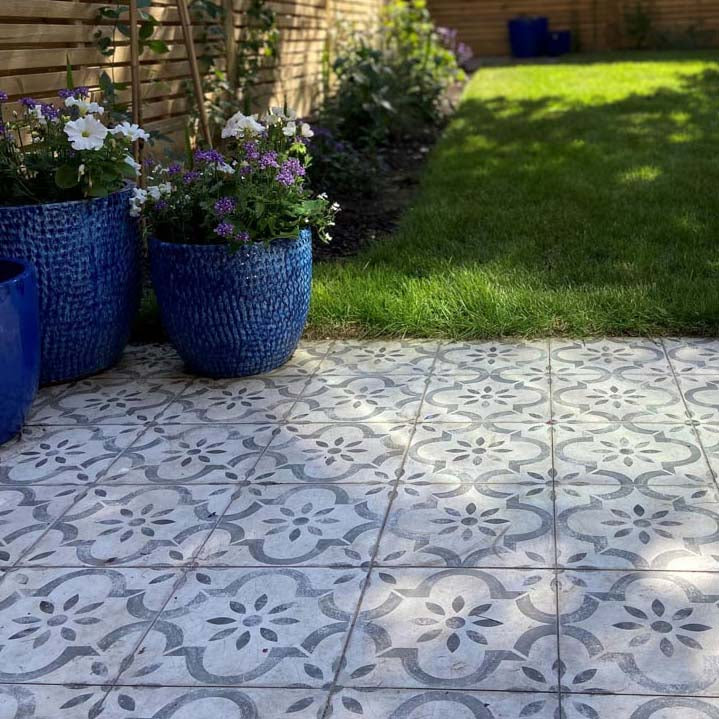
(392, 82)
(50, 154)
(639, 23)
(254, 193)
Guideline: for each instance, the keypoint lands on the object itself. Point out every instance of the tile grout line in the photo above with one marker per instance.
(694, 428)
(334, 685)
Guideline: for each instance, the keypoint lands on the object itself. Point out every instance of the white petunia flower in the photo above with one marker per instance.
(85, 133)
(306, 130)
(290, 129)
(137, 201)
(131, 131)
(136, 166)
(240, 124)
(226, 169)
(84, 107)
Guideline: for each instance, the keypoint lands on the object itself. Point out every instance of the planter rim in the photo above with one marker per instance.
(64, 203)
(223, 245)
(26, 270)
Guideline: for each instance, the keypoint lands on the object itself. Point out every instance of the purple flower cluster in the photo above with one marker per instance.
(161, 205)
(3, 96)
(269, 159)
(28, 102)
(189, 177)
(174, 168)
(49, 112)
(208, 156)
(78, 93)
(225, 205)
(252, 152)
(290, 171)
(225, 229)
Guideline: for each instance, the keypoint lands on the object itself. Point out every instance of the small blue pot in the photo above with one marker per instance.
(19, 344)
(233, 314)
(87, 257)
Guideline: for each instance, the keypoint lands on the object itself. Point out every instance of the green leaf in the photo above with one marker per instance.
(146, 30)
(158, 46)
(124, 29)
(66, 177)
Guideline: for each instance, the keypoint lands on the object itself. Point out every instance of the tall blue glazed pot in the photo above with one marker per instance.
(87, 257)
(233, 314)
(19, 344)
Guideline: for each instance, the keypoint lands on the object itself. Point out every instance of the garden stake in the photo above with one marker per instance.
(195, 70)
(135, 79)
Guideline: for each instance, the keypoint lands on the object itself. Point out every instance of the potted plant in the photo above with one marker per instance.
(19, 344)
(64, 206)
(231, 246)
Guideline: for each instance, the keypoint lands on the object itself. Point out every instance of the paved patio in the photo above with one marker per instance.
(388, 530)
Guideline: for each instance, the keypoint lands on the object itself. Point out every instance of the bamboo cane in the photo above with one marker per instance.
(194, 68)
(135, 75)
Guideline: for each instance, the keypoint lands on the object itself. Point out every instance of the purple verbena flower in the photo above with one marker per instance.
(242, 237)
(49, 111)
(28, 102)
(2, 129)
(161, 205)
(174, 169)
(290, 171)
(189, 177)
(269, 159)
(225, 205)
(81, 92)
(251, 151)
(209, 156)
(225, 229)
(3, 96)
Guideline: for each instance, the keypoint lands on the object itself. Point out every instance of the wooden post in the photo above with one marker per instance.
(230, 44)
(135, 74)
(194, 69)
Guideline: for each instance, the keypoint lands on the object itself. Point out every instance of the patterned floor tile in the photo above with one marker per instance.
(366, 398)
(617, 398)
(642, 454)
(478, 452)
(581, 706)
(598, 356)
(37, 701)
(392, 357)
(436, 703)
(321, 453)
(331, 525)
(464, 357)
(453, 628)
(262, 627)
(148, 360)
(181, 454)
(693, 355)
(137, 526)
(496, 397)
(63, 455)
(642, 632)
(468, 525)
(212, 703)
(25, 515)
(305, 361)
(701, 393)
(250, 400)
(108, 401)
(75, 625)
(678, 530)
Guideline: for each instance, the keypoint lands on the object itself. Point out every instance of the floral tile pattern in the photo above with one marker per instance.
(392, 529)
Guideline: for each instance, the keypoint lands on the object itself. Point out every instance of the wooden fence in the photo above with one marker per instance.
(596, 24)
(38, 36)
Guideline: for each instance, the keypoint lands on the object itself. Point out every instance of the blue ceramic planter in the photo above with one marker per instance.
(87, 258)
(233, 314)
(19, 344)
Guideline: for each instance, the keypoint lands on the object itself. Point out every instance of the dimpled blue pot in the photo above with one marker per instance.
(233, 314)
(19, 344)
(87, 258)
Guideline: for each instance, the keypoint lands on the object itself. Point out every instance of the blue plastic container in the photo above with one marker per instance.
(559, 42)
(87, 258)
(527, 36)
(233, 314)
(19, 344)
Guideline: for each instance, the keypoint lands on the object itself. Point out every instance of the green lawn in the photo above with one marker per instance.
(574, 198)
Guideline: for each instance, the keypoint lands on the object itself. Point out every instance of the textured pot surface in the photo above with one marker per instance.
(232, 314)
(87, 258)
(19, 344)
